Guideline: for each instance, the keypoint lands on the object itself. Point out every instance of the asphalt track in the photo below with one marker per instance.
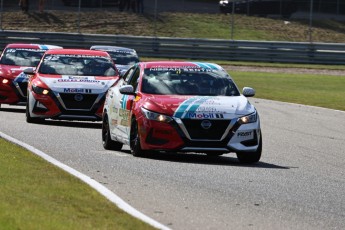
(299, 183)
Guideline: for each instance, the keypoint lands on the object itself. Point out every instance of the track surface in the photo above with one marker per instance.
(299, 183)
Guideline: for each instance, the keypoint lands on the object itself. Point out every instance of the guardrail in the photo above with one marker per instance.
(190, 48)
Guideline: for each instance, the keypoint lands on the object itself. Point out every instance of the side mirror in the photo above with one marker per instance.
(248, 92)
(127, 90)
(29, 71)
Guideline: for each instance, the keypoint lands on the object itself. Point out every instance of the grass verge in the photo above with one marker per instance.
(182, 25)
(38, 195)
(316, 90)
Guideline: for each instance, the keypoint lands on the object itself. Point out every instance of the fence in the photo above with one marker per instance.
(186, 48)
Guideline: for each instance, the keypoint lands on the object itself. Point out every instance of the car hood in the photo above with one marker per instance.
(200, 107)
(78, 84)
(11, 72)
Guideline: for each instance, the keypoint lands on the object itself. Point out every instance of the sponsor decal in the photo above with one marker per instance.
(244, 134)
(204, 115)
(113, 122)
(75, 90)
(179, 69)
(81, 55)
(78, 79)
(124, 122)
(204, 107)
(12, 50)
(124, 117)
(124, 114)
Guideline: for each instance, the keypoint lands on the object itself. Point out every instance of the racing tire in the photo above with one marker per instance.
(135, 144)
(29, 118)
(107, 142)
(250, 157)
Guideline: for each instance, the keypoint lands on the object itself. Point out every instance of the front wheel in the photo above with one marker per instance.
(107, 142)
(135, 140)
(29, 118)
(250, 157)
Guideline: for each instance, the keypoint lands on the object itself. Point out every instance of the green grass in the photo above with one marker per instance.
(37, 195)
(183, 25)
(316, 90)
(242, 27)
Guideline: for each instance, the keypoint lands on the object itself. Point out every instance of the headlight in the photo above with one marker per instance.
(156, 116)
(5, 81)
(251, 118)
(39, 90)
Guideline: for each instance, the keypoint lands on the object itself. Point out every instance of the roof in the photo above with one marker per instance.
(181, 64)
(32, 46)
(78, 52)
(113, 48)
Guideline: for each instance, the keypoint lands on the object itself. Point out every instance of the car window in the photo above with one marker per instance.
(134, 79)
(22, 57)
(129, 73)
(180, 82)
(124, 58)
(80, 65)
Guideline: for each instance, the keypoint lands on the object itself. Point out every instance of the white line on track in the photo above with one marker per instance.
(94, 184)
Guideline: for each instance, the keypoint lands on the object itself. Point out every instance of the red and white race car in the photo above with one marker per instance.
(14, 59)
(181, 107)
(70, 84)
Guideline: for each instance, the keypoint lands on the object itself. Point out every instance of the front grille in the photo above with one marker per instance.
(86, 103)
(215, 132)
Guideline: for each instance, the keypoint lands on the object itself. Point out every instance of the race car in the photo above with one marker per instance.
(13, 60)
(123, 57)
(171, 106)
(70, 84)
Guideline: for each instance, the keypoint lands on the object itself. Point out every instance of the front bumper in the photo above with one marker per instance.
(65, 107)
(185, 136)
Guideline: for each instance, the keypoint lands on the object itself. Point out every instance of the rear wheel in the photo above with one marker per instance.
(250, 157)
(108, 143)
(135, 140)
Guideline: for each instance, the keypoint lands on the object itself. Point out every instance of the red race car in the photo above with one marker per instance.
(14, 59)
(70, 84)
(181, 107)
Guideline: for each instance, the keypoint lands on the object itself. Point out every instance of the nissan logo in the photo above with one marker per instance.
(206, 124)
(78, 97)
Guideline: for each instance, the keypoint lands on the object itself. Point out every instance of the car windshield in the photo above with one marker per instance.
(124, 58)
(22, 57)
(177, 81)
(79, 65)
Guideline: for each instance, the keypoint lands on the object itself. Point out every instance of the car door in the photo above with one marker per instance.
(121, 107)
